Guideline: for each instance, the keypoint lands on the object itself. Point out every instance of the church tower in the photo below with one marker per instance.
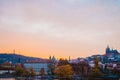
(107, 50)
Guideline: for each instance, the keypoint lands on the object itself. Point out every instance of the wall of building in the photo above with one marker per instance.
(37, 66)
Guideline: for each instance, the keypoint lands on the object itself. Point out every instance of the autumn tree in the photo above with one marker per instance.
(19, 71)
(42, 71)
(32, 72)
(63, 62)
(26, 73)
(63, 71)
(96, 62)
(95, 71)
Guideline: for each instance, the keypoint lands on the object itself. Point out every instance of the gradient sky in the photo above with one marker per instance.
(76, 28)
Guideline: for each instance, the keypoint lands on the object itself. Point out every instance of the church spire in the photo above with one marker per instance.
(107, 46)
(107, 49)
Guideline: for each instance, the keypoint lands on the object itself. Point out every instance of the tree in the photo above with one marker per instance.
(64, 71)
(116, 72)
(96, 61)
(26, 73)
(32, 72)
(19, 71)
(51, 67)
(63, 62)
(95, 71)
(42, 71)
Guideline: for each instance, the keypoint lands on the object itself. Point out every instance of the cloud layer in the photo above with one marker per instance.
(59, 27)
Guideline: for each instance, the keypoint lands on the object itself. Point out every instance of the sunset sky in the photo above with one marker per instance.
(61, 28)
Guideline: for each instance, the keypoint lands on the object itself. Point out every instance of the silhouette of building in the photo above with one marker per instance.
(53, 59)
(81, 68)
(7, 67)
(111, 51)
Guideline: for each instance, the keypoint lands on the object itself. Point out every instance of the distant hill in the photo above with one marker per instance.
(15, 58)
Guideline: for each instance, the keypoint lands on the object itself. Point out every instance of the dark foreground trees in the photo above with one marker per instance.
(19, 71)
(22, 72)
(95, 72)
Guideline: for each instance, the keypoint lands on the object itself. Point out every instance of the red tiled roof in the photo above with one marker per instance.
(7, 63)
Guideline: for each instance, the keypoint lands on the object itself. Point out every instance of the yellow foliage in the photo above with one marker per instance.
(64, 71)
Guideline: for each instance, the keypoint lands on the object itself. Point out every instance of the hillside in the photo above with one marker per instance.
(15, 58)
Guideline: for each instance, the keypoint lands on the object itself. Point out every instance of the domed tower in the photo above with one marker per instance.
(107, 50)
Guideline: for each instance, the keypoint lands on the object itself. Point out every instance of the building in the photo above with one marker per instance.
(112, 66)
(37, 65)
(77, 60)
(111, 56)
(53, 59)
(81, 68)
(7, 68)
(118, 66)
(111, 51)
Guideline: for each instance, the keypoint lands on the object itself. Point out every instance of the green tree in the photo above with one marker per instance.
(64, 71)
(51, 67)
(63, 62)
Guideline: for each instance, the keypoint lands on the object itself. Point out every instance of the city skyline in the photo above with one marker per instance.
(76, 28)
